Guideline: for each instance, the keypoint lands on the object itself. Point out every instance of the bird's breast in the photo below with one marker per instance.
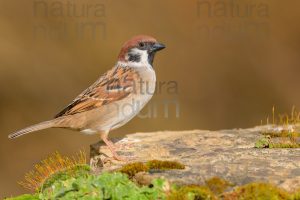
(145, 84)
(143, 91)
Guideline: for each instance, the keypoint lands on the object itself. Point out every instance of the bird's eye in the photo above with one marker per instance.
(141, 44)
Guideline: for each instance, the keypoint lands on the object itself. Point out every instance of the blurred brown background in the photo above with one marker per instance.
(232, 60)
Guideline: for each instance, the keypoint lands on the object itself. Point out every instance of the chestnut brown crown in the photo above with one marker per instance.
(143, 42)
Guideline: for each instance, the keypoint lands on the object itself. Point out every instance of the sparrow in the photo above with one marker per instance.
(114, 99)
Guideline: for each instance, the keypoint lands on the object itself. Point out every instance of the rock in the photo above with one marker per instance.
(228, 154)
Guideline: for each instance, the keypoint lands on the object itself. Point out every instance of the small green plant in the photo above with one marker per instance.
(112, 186)
(263, 142)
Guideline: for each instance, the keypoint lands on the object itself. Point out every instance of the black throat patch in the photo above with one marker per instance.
(151, 57)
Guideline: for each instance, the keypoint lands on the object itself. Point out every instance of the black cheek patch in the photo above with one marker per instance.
(134, 57)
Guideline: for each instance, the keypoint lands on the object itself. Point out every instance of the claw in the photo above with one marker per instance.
(112, 148)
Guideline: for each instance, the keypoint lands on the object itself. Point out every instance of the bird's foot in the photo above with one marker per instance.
(120, 158)
(113, 147)
(122, 146)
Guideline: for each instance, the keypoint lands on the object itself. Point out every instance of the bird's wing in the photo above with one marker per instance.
(112, 86)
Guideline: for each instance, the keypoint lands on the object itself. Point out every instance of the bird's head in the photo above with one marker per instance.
(140, 49)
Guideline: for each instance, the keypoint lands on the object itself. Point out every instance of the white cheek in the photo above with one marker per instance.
(143, 54)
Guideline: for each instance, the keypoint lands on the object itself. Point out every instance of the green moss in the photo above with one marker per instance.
(192, 192)
(257, 191)
(164, 165)
(282, 127)
(218, 185)
(77, 171)
(53, 167)
(132, 168)
(296, 195)
(214, 187)
(266, 142)
(285, 145)
(24, 197)
(284, 133)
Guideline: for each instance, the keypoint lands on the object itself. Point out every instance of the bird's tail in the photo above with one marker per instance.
(43, 125)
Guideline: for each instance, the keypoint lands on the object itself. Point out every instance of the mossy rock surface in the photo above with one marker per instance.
(118, 186)
(228, 154)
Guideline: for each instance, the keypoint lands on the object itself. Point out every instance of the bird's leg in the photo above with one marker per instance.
(105, 135)
(111, 147)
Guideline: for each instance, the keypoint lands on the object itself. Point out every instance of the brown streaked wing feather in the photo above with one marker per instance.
(112, 86)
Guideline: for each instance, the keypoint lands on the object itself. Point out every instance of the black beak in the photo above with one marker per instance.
(157, 47)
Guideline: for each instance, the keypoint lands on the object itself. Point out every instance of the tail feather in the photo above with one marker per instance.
(36, 127)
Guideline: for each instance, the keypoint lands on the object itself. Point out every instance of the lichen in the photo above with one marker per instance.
(257, 191)
(164, 165)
